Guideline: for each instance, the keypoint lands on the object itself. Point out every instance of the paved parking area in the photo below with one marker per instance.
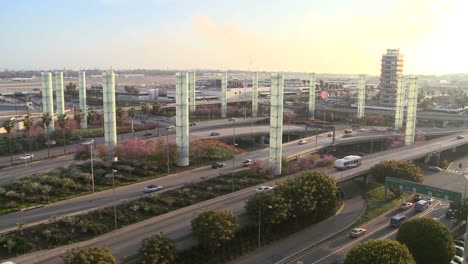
(453, 178)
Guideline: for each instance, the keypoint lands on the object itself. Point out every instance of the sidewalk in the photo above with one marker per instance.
(279, 252)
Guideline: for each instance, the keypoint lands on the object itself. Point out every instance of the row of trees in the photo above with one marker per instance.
(419, 241)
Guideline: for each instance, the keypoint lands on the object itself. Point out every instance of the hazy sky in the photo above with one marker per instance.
(323, 36)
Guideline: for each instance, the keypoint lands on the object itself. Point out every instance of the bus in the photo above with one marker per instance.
(348, 162)
(421, 205)
(397, 220)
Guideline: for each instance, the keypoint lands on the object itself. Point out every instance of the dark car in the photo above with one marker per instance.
(214, 134)
(217, 165)
(418, 197)
(193, 124)
(75, 138)
(147, 134)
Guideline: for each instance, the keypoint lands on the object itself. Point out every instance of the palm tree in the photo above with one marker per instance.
(91, 116)
(131, 114)
(78, 115)
(120, 114)
(8, 126)
(145, 110)
(46, 119)
(156, 110)
(63, 122)
(28, 123)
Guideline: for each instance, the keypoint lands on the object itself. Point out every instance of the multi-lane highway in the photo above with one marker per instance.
(378, 228)
(126, 241)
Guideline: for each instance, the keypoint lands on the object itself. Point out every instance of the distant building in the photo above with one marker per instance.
(392, 66)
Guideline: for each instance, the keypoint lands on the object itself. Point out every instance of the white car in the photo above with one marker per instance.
(264, 188)
(302, 142)
(406, 205)
(152, 188)
(26, 156)
(362, 130)
(435, 168)
(429, 199)
(460, 137)
(248, 163)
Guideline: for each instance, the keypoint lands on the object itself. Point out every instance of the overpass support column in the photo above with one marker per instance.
(108, 92)
(365, 179)
(399, 106)
(411, 111)
(261, 140)
(224, 84)
(276, 123)
(182, 118)
(361, 96)
(192, 90)
(445, 124)
(59, 93)
(82, 93)
(255, 94)
(48, 99)
(312, 97)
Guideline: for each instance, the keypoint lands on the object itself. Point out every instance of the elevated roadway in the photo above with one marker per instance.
(126, 241)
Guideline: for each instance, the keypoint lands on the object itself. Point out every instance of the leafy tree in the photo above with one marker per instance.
(404, 170)
(63, 122)
(8, 125)
(270, 207)
(312, 194)
(214, 227)
(379, 251)
(428, 240)
(90, 256)
(46, 119)
(157, 249)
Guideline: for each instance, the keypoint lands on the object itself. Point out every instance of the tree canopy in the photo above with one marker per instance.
(90, 256)
(309, 196)
(428, 240)
(404, 170)
(157, 249)
(214, 227)
(379, 251)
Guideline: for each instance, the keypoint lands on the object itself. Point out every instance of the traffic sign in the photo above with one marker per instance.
(414, 187)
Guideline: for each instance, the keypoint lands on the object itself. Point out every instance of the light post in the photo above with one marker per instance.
(259, 222)
(167, 151)
(233, 132)
(90, 144)
(113, 196)
(232, 173)
(465, 251)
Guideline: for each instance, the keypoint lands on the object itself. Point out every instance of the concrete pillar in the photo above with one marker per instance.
(411, 111)
(48, 99)
(276, 122)
(399, 106)
(361, 96)
(192, 90)
(312, 97)
(224, 83)
(82, 93)
(255, 94)
(59, 93)
(182, 118)
(445, 124)
(108, 92)
(261, 140)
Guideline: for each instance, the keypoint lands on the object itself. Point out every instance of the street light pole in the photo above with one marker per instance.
(259, 222)
(232, 175)
(90, 144)
(113, 196)
(167, 151)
